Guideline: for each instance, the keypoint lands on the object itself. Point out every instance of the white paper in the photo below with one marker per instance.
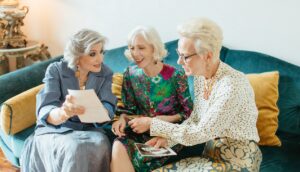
(94, 109)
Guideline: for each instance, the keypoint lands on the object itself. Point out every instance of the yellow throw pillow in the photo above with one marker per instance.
(117, 87)
(265, 86)
(18, 112)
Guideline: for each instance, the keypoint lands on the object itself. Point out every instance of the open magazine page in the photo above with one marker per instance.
(145, 150)
(94, 109)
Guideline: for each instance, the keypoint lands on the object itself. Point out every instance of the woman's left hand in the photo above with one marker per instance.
(157, 142)
(140, 124)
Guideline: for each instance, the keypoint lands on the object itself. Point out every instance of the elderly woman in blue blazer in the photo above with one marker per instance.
(61, 142)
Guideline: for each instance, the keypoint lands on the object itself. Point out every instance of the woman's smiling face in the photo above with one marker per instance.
(141, 52)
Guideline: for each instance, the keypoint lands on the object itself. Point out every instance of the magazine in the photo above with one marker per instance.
(146, 150)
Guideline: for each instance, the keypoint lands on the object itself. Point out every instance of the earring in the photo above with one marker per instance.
(77, 72)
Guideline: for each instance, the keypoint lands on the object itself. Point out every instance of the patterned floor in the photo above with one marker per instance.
(5, 165)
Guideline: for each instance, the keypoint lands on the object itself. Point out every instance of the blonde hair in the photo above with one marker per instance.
(80, 44)
(152, 37)
(207, 34)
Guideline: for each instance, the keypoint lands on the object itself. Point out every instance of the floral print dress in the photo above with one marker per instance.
(165, 94)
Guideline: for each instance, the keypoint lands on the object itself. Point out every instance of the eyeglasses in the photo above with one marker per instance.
(184, 58)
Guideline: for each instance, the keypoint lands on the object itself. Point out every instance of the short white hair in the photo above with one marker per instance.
(152, 37)
(80, 44)
(207, 34)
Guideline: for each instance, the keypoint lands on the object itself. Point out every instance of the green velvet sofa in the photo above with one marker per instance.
(284, 158)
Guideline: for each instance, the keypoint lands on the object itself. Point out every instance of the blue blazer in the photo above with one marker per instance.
(58, 79)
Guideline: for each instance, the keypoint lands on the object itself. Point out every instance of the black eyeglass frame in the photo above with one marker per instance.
(184, 58)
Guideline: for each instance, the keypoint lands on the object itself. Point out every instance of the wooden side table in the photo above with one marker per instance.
(15, 58)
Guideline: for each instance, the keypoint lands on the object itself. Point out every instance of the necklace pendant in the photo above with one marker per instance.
(205, 95)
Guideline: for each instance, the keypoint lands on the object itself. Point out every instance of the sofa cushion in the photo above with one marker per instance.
(8, 153)
(18, 112)
(265, 86)
(117, 87)
(281, 159)
(13, 144)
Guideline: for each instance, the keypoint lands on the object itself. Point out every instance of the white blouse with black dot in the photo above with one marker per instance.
(230, 111)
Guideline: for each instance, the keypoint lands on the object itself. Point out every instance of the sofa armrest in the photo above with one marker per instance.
(18, 112)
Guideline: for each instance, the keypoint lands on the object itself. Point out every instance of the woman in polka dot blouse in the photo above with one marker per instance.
(224, 115)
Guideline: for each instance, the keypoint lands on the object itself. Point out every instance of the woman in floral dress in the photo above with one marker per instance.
(150, 89)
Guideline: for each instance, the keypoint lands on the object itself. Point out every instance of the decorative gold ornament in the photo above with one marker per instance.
(11, 20)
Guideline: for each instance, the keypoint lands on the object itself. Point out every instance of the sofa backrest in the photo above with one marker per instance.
(16, 82)
(117, 61)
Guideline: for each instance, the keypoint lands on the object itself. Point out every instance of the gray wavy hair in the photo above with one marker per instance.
(80, 44)
(207, 34)
(152, 37)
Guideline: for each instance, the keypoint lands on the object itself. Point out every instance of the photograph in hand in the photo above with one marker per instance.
(145, 150)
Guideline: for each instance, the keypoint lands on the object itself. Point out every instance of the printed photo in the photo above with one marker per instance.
(146, 150)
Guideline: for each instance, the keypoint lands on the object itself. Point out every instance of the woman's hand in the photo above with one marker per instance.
(69, 109)
(157, 142)
(118, 127)
(140, 124)
(60, 115)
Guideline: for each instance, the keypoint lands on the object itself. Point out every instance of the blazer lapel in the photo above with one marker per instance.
(69, 81)
(95, 81)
